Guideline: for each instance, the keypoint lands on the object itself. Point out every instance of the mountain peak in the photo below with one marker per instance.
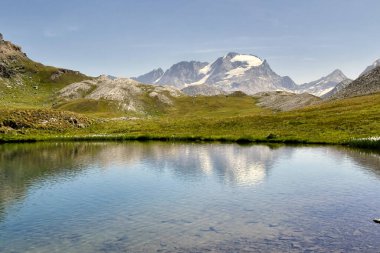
(248, 59)
(337, 74)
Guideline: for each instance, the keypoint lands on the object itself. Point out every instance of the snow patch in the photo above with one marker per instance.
(323, 92)
(251, 60)
(202, 81)
(236, 72)
(205, 69)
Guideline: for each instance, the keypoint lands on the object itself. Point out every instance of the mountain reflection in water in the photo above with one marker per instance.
(219, 196)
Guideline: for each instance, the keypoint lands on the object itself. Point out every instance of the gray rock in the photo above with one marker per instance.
(366, 84)
(151, 77)
(371, 67)
(202, 90)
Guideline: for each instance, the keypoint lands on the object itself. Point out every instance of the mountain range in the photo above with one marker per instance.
(24, 81)
(235, 72)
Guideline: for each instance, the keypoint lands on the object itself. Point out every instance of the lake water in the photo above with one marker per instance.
(166, 197)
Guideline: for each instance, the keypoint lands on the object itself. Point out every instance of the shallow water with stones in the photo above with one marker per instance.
(185, 197)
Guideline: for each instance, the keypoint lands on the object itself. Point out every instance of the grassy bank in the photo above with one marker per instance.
(228, 119)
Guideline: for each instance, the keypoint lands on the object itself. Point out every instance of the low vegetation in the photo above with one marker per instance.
(220, 118)
(371, 142)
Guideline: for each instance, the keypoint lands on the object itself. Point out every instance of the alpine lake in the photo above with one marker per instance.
(187, 197)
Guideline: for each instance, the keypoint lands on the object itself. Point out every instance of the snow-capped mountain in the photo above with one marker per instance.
(246, 73)
(236, 72)
(323, 85)
(371, 67)
(233, 72)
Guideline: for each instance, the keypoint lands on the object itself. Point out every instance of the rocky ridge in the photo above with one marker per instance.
(366, 84)
(129, 94)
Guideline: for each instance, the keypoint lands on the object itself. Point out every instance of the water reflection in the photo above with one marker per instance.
(21, 165)
(136, 193)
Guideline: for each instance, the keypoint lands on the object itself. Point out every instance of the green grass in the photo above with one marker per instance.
(364, 143)
(224, 118)
(33, 87)
(95, 108)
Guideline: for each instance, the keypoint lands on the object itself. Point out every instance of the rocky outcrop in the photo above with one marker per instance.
(371, 67)
(364, 85)
(129, 94)
(57, 74)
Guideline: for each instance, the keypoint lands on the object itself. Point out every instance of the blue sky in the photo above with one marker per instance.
(304, 39)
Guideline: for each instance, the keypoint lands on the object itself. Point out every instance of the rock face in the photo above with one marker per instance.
(285, 101)
(127, 93)
(364, 85)
(182, 74)
(151, 77)
(233, 72)
(323, 85)
(337, 88)
(10, 56)
(371, 67)
(57, 74)
(202, 90)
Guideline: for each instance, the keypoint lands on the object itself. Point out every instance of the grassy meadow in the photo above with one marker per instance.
(218, 118)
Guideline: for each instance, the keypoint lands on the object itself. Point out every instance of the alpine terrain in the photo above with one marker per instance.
(235, 72)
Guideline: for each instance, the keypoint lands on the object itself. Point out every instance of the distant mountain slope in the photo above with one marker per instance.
(366, 84)
(285, 101)
(23, 81)
(203, 90)
(322, 85)
(337, 88)
(371, 67)
(182, 74)
(122, 94)
(151, 77)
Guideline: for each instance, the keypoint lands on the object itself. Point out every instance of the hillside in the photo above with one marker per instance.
(285, 101)
(24, 82)
(110, 97)
(368, 83)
